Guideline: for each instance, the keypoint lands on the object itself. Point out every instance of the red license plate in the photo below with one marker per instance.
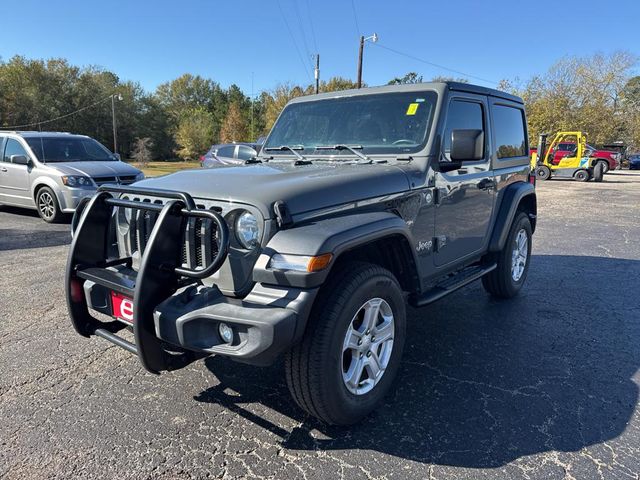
(122, 307)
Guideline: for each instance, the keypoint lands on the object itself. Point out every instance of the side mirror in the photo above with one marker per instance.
(21, 160)
(467, 145)
(117, 157)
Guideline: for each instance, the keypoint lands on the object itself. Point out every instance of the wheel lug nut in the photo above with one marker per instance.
(368, 354)
(367, 332)
(373, 339)
(359, 342)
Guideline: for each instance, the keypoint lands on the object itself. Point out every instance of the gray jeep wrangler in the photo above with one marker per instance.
(359, 201)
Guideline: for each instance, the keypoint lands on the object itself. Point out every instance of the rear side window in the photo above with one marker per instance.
(509, 131)
(13, 147)
(226, 151)
(462, 115)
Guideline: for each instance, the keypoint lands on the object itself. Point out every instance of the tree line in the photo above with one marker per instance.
(183, 117)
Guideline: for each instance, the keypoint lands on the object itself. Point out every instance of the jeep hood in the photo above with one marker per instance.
(304, 188)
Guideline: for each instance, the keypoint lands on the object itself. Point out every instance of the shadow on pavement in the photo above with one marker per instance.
(27, 230)
(485, 382)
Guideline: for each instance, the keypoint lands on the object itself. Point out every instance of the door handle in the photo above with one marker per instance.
(486, 184)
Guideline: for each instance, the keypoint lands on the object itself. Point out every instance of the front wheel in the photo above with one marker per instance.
(47, 204)
(543, 172)
(506, 280)
(581, 175)
(598, 172)
(352, 346)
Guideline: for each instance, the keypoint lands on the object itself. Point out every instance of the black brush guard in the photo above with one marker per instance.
(159, 276)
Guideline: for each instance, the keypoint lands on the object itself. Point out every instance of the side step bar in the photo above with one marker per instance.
(451, 284)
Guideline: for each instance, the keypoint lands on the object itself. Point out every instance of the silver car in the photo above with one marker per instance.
(52, 171)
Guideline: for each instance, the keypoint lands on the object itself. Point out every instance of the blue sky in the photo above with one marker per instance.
(153, 41)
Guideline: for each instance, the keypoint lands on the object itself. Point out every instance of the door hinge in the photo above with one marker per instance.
(439, 242)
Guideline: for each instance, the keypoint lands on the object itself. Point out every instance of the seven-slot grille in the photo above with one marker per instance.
(119, 180)
(199, 238)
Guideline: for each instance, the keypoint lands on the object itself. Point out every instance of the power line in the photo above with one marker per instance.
(434, 64)
(36, 124)
(313, 31)
(302, 30)
(355, 16)
(293, 39)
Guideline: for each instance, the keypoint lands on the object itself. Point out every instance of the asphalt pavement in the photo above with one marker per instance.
(544, 386)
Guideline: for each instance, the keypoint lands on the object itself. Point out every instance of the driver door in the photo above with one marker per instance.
(465, 196)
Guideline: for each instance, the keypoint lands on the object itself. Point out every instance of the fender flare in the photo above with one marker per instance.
(511, 198)
(331, 235)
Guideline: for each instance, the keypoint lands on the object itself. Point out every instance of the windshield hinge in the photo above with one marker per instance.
(283, 216)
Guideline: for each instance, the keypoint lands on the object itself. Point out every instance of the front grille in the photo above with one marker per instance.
(119, 180)
(199, 237)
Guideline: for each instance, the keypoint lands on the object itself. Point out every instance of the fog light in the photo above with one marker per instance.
(226, 333)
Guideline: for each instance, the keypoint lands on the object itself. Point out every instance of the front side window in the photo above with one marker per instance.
(462, 115)
(13, 147)
(246, 153)
(389, 123)
(68, 149)
(509, 131)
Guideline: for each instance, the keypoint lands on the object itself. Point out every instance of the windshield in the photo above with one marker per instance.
(389, 123)
(68, 149)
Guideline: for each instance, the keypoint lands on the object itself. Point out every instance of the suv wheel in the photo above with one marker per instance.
(605, 165)
(513, 261)
(352, 346)
(47, 204)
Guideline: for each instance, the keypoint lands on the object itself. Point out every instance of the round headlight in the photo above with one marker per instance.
(247, 230)
(71, 181)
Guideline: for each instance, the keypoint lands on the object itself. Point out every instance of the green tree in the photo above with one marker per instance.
(194, 134)
(411, 77)
(234, 127)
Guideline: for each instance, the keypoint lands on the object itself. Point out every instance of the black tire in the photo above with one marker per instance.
(543, 172)
(598, 172)
(581, 175)
(500, 282)
(605, 165)
(47, 205)
(314, 367)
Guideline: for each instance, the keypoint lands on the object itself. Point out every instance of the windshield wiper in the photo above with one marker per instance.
(284, 148)
(352, 148)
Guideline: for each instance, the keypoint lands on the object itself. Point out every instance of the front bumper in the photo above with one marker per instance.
(264, 324)
(175, 318)
(70, 197)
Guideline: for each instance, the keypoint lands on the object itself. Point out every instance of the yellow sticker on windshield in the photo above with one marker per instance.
(413, 108)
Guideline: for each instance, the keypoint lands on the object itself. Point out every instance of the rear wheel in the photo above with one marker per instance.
(581, 175)
(543, 172)
(352, 346)
(605, 165)
(512, 262)
(47, 204)
(598, 172)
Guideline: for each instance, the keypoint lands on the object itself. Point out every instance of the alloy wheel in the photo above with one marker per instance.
(367, 346)
(519, 255)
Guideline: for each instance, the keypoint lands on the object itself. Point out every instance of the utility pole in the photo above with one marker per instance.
(317, 72)
(374, 39)
(113, 120)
